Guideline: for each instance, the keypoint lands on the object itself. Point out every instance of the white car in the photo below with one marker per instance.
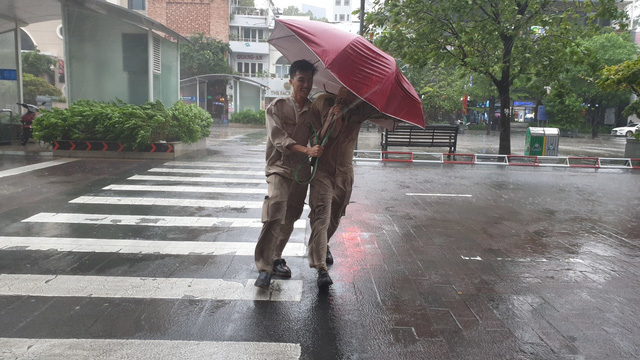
(627, 131)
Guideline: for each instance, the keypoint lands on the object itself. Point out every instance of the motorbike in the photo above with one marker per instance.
(27, 122)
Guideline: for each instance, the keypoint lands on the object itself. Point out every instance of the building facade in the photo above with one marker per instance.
(190, 17)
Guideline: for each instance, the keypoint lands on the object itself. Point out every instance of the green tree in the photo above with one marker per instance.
(623, 77)
(34, 85)
(294, 11)
(439, 90)
(204, 55)
(37, 64)
(576, 80)
(499, 39)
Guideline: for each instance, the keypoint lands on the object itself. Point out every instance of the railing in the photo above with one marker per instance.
(495, 159)
(248, 11)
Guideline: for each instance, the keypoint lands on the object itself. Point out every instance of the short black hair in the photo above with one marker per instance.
(302, 66)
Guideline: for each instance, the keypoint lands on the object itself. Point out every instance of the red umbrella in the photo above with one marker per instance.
(351, 61)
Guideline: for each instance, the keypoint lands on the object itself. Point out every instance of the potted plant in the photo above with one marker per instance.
(118, 127)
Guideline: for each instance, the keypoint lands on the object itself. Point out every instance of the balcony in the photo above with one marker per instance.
(256, 21)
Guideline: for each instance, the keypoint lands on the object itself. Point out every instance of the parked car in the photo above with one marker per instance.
(627, 131)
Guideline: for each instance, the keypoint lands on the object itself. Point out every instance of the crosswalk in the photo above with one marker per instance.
(213, 196)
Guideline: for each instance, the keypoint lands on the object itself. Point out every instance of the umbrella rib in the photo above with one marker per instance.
(281, 37)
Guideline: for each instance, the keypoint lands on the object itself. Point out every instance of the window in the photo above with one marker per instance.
(335, 17)
(337, 2)
(341, 17)
(250, 68)
(347, 2)
(282, 68)
(348, 17)
(282, 71)
(137, 5)
(252, 35)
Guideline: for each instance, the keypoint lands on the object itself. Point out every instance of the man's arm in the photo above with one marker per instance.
(275, 130)
(279, 137)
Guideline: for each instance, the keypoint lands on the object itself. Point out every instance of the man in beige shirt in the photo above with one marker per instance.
(340, 118)
(289, 128)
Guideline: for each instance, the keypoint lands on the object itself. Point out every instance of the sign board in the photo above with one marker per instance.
(8, 74)
(542, 113)
(610, 116)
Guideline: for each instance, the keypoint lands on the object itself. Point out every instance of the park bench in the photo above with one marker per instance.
(407, 135)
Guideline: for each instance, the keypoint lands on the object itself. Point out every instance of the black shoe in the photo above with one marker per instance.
(264, 280)
(281, 269)
(329, 257)
(324, 280)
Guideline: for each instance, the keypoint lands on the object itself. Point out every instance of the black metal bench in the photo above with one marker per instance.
(407, 135)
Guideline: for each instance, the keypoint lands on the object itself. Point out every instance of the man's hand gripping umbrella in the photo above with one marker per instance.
(322, 136)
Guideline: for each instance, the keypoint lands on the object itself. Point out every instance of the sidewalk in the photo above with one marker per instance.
(469, 142)
(478, 142)
(31, 148)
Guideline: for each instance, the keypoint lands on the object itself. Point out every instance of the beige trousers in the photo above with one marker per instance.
(328, 199)
(281, 208)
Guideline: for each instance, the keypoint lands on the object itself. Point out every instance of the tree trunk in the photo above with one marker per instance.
(505, 121)
(492, 110)
(595, 121)
(504, 92)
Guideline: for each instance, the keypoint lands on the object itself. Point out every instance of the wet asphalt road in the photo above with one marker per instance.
(432, 262)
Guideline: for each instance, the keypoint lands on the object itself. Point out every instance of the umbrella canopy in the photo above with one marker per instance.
(345, 59)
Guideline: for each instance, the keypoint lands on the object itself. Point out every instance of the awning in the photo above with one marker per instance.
(26, 12)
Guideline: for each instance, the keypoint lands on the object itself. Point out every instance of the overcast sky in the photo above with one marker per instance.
(283, 4)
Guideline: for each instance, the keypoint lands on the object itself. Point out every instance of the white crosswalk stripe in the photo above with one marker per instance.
(103, 349)
(32, 167)
(245, 165)
(199, 189)
(118, 200)
(207, 171)
(147, 220)
(197, 179)
(138, 246)
(147, 288)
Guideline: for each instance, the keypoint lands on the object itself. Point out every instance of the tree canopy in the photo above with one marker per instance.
(204, 55)
(625, 77)
(37, 64)
(499, 39)
(34, 86)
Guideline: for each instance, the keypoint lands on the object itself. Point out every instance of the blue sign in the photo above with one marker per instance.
(523, 103)
(191, 98)
(8, 74)
(542, 113)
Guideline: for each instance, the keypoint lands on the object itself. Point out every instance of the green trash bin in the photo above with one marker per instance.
(542, 141)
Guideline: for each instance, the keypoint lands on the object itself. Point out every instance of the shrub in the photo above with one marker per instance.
(248, 117)
(131, 125)
(477, 127)
(34, 86)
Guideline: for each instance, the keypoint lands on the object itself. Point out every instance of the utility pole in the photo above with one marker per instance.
(361, 17)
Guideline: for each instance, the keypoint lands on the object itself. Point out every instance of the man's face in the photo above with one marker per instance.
(302, 82)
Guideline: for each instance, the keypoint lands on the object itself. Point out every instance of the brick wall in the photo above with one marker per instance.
(189, 17)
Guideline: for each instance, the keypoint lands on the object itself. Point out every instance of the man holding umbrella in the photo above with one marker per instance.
(289, 128)
(374, 83)
(340, 117)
